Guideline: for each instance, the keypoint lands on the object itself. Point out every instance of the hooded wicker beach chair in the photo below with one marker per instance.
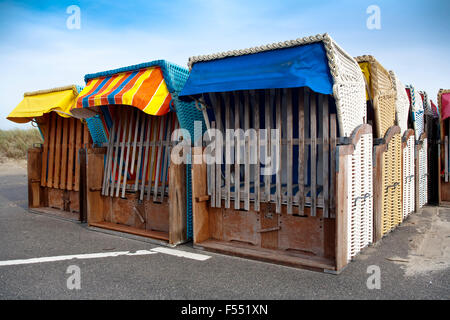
(55, 182)
(302, 104)
(381, 96)
(408, 145)
(418, 113)
(136, 116)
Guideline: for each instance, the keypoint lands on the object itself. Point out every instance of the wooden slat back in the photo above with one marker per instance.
(138, 155)
(212, 172)
(150, 126)
(302, 103)
(51, 149)
(47, 123)
(268, 94)
(64, 154)
(228, 155)
(290, 150)
(332, 186)
(63, 138)
(218, 153)
(57, 161)
(237, 147)
(325, 156)
(276, 139)
(78, 145)
(256, 125)
(305, 148)
(71, 153)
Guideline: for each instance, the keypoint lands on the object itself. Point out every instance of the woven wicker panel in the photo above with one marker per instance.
(384, 106)
(408, 177)
(423, 174)
(97, 130)
(349, 90)
(360, 202)
(392, 185)
(383, 95)
(402, 103)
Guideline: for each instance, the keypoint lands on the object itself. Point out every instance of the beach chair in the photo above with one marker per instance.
(56, 177)
(136, 121)
(381, 96)
(292, 181)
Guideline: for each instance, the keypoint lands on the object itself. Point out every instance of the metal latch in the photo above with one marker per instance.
(395, 185)
(364, 197)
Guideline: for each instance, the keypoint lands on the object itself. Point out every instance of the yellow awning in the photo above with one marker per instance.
(36, 104)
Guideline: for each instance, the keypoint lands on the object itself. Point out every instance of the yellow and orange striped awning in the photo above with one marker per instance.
(144, 89)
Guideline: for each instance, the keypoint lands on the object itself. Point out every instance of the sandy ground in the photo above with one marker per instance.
(12, 167)
(429, 248)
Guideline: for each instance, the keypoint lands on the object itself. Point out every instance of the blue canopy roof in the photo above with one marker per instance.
(301, 66)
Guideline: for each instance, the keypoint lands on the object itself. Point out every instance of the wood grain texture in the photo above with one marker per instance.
(71, 153)
(94, 175)
(34, 164)
(58, 150)
(342, 194)
(177, 204)
(199, 188)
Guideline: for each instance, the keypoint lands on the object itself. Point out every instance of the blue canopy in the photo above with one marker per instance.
(302, 66)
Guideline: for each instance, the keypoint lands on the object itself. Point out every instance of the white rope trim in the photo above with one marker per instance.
(58, 89)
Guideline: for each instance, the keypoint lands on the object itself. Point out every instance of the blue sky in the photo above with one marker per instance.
(37, 51)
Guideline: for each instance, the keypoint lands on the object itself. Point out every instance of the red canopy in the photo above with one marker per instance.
(445, 104)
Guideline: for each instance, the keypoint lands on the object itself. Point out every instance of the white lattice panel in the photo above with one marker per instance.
(408, 178)
(360, 201)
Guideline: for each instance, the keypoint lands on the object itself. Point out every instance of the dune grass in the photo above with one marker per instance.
(15, 143)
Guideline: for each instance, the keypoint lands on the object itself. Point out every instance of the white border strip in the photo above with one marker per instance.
(75, 256)
(183, 254)
(172, 252)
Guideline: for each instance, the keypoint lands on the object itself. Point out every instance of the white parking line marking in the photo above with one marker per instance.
(75, 256)
(172, 252)
(183, 254)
